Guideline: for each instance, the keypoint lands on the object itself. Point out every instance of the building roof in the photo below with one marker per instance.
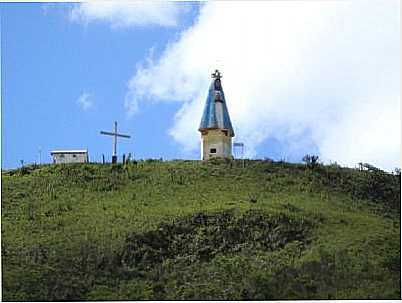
(210, 118)
(69, 151)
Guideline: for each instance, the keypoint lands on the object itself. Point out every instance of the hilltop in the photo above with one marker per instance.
(193, 230)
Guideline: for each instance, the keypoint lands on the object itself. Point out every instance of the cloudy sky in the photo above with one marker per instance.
(318, 77)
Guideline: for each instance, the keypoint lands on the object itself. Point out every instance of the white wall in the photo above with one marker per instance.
(70, 158)
(215, 138)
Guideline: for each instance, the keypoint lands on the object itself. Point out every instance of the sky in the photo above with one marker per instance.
(300, 77)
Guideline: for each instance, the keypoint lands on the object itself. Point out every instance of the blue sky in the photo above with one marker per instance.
(69, 71)
(48, 62)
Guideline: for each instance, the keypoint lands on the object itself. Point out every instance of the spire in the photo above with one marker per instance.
(216, 115)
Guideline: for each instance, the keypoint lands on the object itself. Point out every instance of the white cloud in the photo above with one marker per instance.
(128, 14)
(84, 101)
(329, 69)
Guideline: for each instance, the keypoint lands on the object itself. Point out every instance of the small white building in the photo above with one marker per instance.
(70, 156)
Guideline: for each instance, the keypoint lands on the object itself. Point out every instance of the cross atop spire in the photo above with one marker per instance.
(216, 75)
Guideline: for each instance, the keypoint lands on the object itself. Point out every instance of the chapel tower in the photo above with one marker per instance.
(215, 127)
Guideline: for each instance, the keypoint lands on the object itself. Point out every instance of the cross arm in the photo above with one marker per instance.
(123, 136)
(114, 134)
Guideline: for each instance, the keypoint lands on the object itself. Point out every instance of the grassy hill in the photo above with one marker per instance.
(193, 230)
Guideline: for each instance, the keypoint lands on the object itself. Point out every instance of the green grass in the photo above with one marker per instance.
(269, 231)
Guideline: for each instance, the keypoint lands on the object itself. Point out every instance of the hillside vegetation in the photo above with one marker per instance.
(192, 230)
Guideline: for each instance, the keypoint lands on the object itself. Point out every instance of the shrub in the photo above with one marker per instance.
(311, 161)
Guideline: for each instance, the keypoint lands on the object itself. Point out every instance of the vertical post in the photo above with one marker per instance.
(115, 139)
(124, 158)
(114, 155)
(103, 159)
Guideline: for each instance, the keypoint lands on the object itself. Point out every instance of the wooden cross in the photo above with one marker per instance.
(216, 75)
(115, 135)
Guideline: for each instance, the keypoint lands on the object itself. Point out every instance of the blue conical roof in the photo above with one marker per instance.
(213, 117)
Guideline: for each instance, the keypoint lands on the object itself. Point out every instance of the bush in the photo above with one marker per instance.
(311, 161)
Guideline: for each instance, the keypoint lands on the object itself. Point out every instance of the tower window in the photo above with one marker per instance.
(212, 150)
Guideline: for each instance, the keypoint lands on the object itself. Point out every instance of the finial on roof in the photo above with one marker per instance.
(217, 82)
(216, 75)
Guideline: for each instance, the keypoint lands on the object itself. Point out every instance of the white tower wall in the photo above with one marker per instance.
(216, 143)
